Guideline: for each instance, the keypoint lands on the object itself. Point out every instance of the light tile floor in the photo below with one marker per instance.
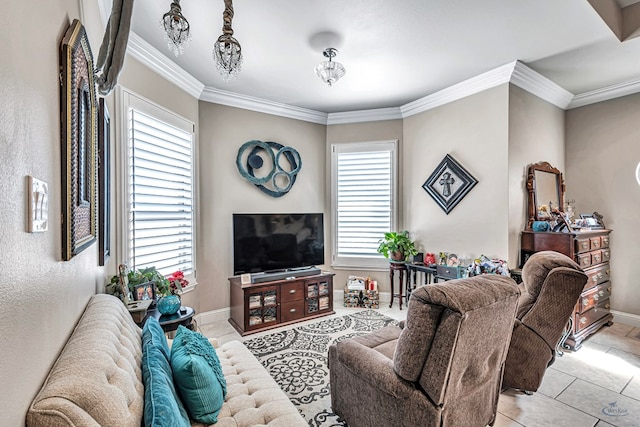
(599, 385)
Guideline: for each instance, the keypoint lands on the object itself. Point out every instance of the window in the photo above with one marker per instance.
(159, 185)
(363, 201)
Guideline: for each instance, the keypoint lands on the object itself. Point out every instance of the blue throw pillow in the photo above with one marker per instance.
(198, 375)
(162, 406)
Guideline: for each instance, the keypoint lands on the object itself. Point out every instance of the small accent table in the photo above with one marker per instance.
(401, 267)
(429, 273)
(170, 323)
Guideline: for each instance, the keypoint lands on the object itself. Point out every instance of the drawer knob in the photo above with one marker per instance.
(595, 278)
(596, 297)
(601, 293)
(293, 310)
(609, 289)
(292, 291)
(583, 320)
(607, 306)
(585, 301)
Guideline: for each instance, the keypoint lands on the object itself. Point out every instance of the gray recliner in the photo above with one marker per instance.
(442, 368)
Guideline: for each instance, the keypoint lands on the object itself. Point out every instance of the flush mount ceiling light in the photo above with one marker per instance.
(227, 51)
(176, 28)
(330, 71)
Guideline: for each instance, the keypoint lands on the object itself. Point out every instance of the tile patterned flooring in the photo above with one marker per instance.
(597, 386)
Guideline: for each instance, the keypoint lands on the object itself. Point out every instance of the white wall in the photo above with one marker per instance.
(536, 134)
(41, 297)
(474, 131)
(602, 152)
(224, 191)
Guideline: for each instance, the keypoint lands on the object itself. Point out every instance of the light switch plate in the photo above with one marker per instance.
(38, 205)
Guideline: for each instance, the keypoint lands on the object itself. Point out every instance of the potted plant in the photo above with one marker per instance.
(137, 277)
(397, 246)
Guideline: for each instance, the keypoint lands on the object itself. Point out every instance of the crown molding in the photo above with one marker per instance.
(359, 116)
(605, 94)
(480, 83)
(232, 99)
(163, 65)
(537, 84)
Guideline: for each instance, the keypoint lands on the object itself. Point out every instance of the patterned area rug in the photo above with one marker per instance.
(297, 360)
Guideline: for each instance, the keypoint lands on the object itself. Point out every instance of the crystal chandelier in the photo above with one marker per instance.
(227, 51)
(330, 71)
(176, 28)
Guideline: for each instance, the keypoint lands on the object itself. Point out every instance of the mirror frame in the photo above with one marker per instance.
(531, 189)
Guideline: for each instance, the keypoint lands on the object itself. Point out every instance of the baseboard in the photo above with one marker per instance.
(212, 316)
(626, 318)
(338, 297)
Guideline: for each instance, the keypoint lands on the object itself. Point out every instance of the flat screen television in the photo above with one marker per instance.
(276, 242)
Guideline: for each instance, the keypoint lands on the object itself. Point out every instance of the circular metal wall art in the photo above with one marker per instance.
(277, 181)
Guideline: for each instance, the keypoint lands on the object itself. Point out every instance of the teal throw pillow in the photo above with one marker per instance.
(198, 375)
(162, 406)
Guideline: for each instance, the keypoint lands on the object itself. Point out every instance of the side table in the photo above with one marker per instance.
(401, 268)
(171, 322)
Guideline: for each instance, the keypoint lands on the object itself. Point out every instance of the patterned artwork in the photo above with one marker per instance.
(449, 184)
(278, 175)
(297, 360)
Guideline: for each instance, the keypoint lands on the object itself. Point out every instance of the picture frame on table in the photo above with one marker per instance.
(144, 291)
(79, 140)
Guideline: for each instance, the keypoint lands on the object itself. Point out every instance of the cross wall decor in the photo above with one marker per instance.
(449, 184)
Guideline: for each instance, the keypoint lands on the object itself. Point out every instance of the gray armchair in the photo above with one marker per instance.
(552, 284)
(442, 368)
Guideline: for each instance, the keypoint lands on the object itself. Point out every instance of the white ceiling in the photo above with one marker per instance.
(396, 51)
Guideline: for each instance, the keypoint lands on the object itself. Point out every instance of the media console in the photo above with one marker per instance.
(290, 273)
(260, 306)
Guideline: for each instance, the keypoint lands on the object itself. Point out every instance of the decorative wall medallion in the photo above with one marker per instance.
(449, 184)
(284, 163)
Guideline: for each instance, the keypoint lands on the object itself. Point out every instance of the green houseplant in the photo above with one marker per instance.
(396, 245)
(136, 277)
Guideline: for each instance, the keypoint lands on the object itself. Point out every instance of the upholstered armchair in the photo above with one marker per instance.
(551, 286)
(441, 368)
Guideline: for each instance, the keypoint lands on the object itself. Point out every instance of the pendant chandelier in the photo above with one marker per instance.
(227, 52)
(176, 29)
(330, 71)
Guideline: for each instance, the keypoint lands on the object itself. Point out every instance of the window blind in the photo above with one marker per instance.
(364, 195)
(160, 192)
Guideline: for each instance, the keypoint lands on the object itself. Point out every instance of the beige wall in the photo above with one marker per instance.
(602, 152)
(474, 131)
(536, 134)
(364, 132)
(41, 297)
(224, 191)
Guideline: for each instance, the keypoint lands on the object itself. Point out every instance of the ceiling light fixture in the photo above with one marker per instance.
(330, 71)
(176, 29)
(227, 51)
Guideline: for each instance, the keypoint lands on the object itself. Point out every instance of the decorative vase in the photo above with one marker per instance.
(169, 304)
(429, 258)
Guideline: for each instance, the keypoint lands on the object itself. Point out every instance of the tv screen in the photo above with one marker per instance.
(273, 242)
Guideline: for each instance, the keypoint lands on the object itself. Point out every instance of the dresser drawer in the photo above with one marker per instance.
(596, 257)
(583, 320)
(449, 272)
(594, 296)
(595, 243)
(291, 311)
(583, 245)
(293, 291)
(597, 275)
(584, 260)
(606, 254)
(604, 242)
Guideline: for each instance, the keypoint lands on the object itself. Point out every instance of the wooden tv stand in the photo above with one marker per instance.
(257, 307)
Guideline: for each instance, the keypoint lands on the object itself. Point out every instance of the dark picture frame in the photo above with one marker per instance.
(104, 183)
(144, 291)
(79, 139)
(449, 183)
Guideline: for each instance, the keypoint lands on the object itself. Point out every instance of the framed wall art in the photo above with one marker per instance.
(104, 184)
(449, 184)
(79, 140)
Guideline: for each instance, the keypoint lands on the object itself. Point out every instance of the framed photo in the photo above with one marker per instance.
(590, 220)
(79, 140)
(104, 184)
(449, 183)
(144, 291)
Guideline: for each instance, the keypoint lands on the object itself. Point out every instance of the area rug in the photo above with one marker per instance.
(297, 360)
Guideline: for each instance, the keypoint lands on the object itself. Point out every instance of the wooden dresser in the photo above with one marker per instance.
(590, 249)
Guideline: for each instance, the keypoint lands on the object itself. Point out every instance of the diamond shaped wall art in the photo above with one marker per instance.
(449, 184)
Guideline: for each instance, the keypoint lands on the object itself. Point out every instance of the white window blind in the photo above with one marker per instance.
(363, 198)
(160, 194)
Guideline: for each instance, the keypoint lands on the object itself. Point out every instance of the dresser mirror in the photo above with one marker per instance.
(545, 187)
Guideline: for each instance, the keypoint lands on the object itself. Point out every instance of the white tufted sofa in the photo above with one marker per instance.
(97, 379)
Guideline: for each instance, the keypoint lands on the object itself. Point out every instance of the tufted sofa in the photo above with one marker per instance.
(97, 378)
